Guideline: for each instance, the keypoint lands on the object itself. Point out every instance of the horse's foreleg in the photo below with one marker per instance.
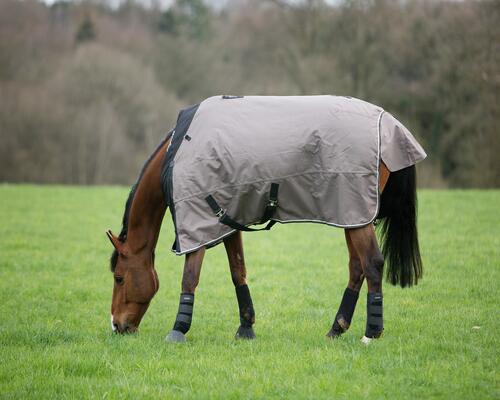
(190, 279)
(364, 243)
(344, 315)
(234, 249)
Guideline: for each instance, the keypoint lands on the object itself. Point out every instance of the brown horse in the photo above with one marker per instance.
(136, 281)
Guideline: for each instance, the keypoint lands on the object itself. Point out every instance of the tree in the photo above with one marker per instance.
(86, 31)
(188, 17)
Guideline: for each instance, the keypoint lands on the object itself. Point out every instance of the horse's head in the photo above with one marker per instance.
(135, 284)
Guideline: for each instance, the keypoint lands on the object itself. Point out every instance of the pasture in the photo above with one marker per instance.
(441, 338)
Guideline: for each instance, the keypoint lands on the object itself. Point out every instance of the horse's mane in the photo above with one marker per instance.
(123, 233)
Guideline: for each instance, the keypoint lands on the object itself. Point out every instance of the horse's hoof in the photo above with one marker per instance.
(175, 337)
(244, 333)
(333, 333)
(339, 327)
(366, 340)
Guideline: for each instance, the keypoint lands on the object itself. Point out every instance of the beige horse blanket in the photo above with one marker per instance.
(322, 153)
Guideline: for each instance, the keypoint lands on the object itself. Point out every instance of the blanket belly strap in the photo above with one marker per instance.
(225, 219)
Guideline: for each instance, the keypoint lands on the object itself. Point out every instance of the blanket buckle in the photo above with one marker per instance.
(273, 203)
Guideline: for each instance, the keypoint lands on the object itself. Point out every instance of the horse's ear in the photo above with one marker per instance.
(114, 241)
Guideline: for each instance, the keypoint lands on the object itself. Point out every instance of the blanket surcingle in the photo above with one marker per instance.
(236, 161)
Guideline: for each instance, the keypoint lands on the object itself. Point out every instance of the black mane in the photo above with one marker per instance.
(123, 233)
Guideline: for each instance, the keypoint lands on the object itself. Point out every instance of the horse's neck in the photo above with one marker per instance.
(148, 206)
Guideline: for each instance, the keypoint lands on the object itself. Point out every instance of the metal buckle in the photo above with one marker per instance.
(220, 213)
(273, 203)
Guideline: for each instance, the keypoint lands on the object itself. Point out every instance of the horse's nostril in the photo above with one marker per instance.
(121, 329)
(128, 328)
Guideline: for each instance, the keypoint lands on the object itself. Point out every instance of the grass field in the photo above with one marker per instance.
(55, 292)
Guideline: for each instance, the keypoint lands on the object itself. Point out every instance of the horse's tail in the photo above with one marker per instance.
(398, 228)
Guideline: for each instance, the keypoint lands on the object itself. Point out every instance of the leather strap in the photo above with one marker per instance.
(225, 219)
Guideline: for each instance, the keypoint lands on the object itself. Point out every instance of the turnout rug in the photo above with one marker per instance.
(236, 161)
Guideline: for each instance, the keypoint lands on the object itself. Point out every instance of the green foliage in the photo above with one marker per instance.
(86, 31)
(107, 112)
(441, 337)
(189, 17)
(168, 22)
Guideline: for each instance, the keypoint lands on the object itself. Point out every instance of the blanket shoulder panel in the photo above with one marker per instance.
(184, 120)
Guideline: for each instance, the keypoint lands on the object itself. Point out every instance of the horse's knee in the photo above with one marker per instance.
(374, 269)
(190, 280)
(192, 268)
(355, 274)
(237, 267)
(238, 275)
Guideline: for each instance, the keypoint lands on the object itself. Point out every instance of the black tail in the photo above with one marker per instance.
(398, 230)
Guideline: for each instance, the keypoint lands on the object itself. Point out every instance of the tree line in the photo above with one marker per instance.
(87, 90)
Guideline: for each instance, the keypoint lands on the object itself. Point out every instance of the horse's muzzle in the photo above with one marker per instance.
(123, 328)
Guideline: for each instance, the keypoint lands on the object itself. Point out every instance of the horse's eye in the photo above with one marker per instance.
(119, 280)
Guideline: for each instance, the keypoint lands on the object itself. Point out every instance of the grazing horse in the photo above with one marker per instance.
(136, 281)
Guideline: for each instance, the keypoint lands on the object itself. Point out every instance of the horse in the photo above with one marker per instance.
(136, 281)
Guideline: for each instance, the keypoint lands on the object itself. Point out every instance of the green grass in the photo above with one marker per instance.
(55, 293)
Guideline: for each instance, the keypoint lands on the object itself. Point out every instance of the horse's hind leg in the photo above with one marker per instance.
(347, 306)
(190, 279)
(234, 249)
(364, 243)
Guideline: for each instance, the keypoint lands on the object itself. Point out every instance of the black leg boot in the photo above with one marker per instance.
(344, 314)
(183, 320)
(247, 313)
(374, 316)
